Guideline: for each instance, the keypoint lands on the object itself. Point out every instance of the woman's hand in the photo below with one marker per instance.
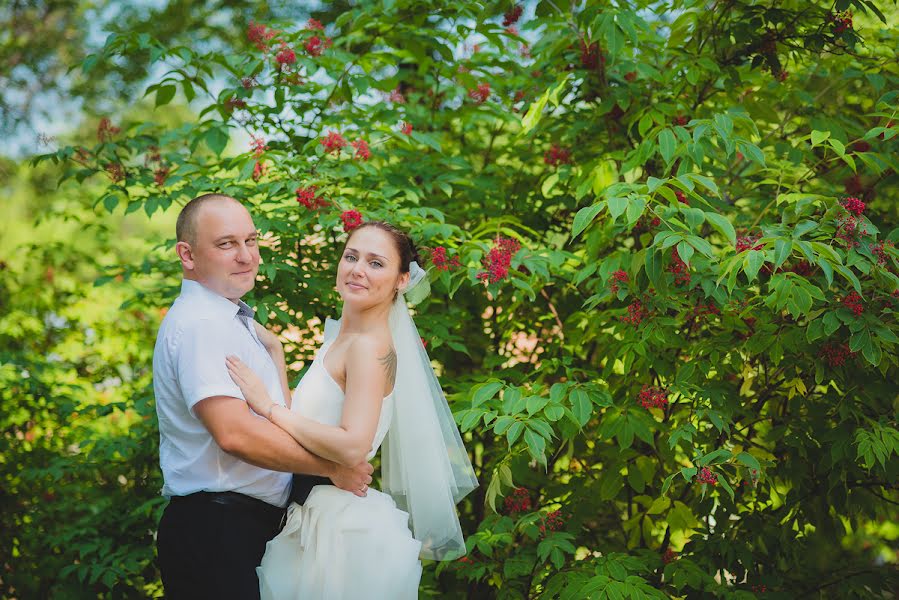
(268, 339)
(253, 389)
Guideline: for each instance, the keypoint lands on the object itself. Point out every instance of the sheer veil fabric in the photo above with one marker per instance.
(424, 465)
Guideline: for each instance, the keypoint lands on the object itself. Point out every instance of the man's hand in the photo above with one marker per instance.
(353, 479)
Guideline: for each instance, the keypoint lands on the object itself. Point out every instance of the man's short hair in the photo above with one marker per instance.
(186, 226)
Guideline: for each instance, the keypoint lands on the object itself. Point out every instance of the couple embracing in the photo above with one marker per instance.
(269, 489)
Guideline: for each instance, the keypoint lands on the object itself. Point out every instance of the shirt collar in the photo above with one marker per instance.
(194, 291)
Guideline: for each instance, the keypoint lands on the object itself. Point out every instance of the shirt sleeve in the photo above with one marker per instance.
(200, 363)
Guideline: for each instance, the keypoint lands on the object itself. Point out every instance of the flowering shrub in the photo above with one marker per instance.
(565, 289)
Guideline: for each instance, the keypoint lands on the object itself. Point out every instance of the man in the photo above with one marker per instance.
(226, 470)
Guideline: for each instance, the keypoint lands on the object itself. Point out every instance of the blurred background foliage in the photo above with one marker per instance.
(661, 246)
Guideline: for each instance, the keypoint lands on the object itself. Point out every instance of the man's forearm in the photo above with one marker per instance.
(265, 445)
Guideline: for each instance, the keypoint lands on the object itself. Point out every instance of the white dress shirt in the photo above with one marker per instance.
(196, 335)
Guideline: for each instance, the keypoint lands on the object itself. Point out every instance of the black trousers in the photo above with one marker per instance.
(208, 549)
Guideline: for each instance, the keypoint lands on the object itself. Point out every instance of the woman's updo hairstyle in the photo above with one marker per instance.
(404, 245)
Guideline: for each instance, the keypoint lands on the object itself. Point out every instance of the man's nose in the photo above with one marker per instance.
(244, 254)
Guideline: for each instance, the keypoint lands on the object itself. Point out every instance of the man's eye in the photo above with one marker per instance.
(251, 242)
(225, 245)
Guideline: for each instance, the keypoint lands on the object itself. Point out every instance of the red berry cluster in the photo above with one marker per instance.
(619, 276)
(753, 478)
(234, 103)
(257, 145)
(746, 242)
(847, 230)
(115, 171)
(879, 251)
(306, 196)
(160, 175)
(351, 219)
(630, 76)
(406, 128)
(644, 223)
(161, 171)
(362, 150)
(552, 521)
(317, 46)
(681, 197)
(441, 261)
(636, 313)
(333, 142)
(466, 560)
(652, 397)
(518, 501)
(853, 205)
(105, 130)
(591, 56)
(481, 93)
(701, 309)
(679, 269)
(248, 83)
(314, 25)
(499, 259)
(759, 588)
(841, 21)
(706, 476)
(556, 155)
(259, 170)
(396, 96)
(260, 35)
(512, 15)
(835, 354)
(286, 56)
(669, 555)
(681, 120)
(853, 302)
(802, 268)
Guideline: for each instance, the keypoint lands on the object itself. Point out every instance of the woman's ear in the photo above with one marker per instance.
(403, 282)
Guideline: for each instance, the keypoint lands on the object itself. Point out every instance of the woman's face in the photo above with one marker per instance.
(369, 271)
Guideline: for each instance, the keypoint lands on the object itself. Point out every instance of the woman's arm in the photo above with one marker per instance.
(371, 366)
(276, 350)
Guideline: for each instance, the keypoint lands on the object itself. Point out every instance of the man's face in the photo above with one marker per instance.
(225, 257)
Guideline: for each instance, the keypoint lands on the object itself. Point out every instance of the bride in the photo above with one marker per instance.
(370, 383)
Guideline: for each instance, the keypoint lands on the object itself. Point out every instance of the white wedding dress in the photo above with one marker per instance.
(339, 546)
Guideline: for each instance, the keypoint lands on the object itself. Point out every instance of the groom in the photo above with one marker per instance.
(226, 470)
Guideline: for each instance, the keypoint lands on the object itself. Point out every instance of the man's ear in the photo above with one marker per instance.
(185, 254)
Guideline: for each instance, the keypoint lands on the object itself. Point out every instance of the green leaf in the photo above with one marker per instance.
(164, 94)
(216, 139)
(819, 136)
(584, 217)
(667, 145)
(581, 406)
(485, 392)
(723, 226)
(749, 460)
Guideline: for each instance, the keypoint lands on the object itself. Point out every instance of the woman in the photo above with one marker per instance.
(370, 383)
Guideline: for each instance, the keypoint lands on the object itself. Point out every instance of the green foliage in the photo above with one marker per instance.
(684, 384)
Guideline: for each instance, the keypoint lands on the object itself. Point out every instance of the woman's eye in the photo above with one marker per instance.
(375, 263)
(350, 257)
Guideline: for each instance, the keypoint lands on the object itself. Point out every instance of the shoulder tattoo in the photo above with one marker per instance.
(388, 361)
